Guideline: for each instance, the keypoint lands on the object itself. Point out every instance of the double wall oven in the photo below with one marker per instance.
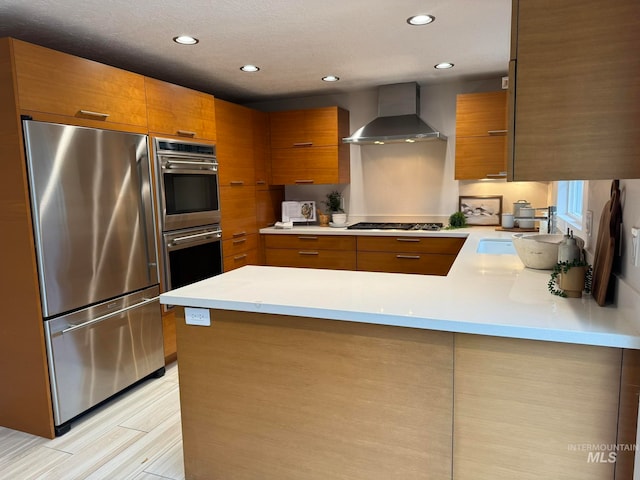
(189, 211)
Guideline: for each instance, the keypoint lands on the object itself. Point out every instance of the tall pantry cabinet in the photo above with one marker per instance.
(55, 87)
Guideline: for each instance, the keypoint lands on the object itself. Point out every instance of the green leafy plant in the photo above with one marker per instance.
(334, 202)
(564, 267)
(457, 220)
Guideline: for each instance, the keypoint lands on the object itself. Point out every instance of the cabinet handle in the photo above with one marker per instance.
(89, 113)
(239, 234)
(307, 238)
(303, 144)
(239, 241)
(499, 174)
(497, 132)
(408, 257)
(240, 257)
(414, 240)
(236, 183)
(261, 182)
(186, 133)
(304, 181)
(308, 253)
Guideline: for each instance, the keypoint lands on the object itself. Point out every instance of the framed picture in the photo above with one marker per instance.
(481, 210)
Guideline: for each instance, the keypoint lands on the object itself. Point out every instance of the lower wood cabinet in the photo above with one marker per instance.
(169, 335)
(311, 251)
(240, 251)
(421, 255)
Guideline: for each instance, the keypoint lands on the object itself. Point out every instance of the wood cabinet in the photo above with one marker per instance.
(235, 144)
(238, 221)
(524, 409)
(169, 336)
(336, 252)
(55, 86)
(307, 148)
(574, 80)
(421, 255)
(178, 111)
(344, 400)
(261, 148)
(481, 135)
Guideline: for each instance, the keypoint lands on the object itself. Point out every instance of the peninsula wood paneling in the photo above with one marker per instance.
(290, 398)
(520, 406)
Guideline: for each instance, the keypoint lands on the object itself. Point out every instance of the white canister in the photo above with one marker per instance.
(507, 220)
(526, 212)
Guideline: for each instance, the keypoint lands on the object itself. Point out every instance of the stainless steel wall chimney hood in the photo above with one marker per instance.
(398, 118)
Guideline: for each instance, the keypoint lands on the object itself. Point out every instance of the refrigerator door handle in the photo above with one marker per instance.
(72, 327)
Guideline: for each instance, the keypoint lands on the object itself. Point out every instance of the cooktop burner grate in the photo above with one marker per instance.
(394, 226)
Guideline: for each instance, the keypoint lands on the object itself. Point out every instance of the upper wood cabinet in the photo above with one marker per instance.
(307, 148)
(179, 111)
(235, 145)
(312, 127)
(261, 150)
(51, 82)
(481, 129)
(575, 79)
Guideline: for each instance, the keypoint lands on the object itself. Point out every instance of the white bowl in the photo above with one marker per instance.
(539, 251)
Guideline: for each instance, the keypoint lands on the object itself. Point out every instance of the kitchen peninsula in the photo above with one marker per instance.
(480, 374)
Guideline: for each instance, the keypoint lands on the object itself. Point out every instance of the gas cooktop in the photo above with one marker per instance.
(394, 226)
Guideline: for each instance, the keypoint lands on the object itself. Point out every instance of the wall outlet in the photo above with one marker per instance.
(197, 316)
(635, 247)
(588, 223)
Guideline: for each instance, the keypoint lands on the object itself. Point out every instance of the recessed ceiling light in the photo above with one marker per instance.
(249, 68)
(443, 65)
(330, 78)
(185, 40)
(420, 19)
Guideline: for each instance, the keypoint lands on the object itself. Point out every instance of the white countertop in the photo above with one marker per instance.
(482, 294)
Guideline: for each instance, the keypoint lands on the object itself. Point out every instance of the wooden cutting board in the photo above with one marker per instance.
(606, 247)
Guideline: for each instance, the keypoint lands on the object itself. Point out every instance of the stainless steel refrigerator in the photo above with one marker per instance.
(97, 262)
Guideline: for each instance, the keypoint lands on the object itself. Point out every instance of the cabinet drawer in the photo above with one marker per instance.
(239, 244)
(420, 263)
(231, 262)
(180, 111)
(311, 258)
(58, 83)
(409, 244)
(325, 242)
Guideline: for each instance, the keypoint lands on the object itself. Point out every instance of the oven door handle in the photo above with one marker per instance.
(209, 165)
(181, 242)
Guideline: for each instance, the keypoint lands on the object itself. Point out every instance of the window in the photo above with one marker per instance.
(571, 202)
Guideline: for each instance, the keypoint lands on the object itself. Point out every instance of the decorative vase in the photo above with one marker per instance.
(572, 282)
(323, 218)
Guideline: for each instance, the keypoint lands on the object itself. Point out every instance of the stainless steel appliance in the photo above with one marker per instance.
(192, 255)
(97, 262)
(187, 175)
(394, 226)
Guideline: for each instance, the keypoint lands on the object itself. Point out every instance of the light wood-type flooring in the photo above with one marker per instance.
(136, 436)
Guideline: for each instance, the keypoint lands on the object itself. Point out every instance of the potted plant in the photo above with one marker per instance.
(334, 207)
(571, 278)
(457, 220)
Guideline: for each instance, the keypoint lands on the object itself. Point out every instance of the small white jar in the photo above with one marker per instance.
(507, 220)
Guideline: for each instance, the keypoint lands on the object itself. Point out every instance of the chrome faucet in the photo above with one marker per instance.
(552, 217)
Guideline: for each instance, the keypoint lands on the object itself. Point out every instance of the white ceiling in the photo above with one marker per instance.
(366, 43)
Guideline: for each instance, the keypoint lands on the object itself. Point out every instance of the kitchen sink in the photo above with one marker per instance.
(496, 246)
